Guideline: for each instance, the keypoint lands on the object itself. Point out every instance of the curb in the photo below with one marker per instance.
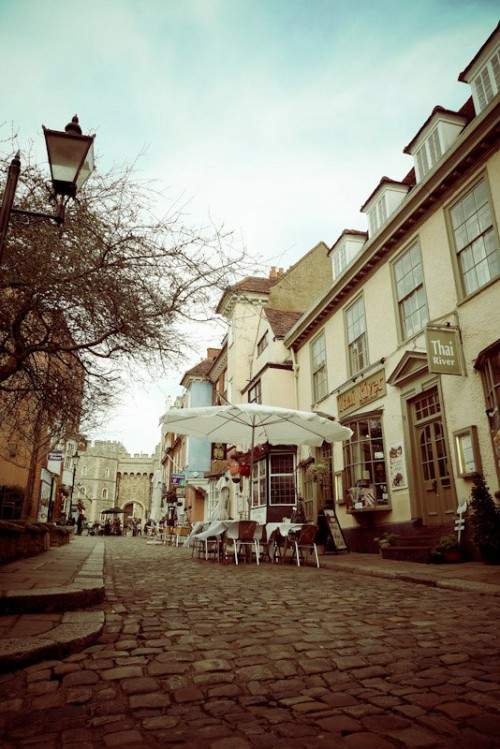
(466, 586)
(86, 590)
(77, 630)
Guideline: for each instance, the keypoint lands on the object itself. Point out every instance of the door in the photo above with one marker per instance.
(432, 462)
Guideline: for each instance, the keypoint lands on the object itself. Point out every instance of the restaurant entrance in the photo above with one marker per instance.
(431, 459)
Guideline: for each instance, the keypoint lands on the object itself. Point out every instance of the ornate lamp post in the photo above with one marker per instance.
(71, 160)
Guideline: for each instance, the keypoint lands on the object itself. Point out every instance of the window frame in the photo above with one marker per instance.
(262, 343)
(348, 470)
(402, 336)
(482, 175)
(314, 371)
(258, 479)
(471, 432)
(270, 474)
(346, 310)
(258, 388)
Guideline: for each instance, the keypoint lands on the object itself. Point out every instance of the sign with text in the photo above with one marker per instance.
(363, 392)
(178, 479)
(444, 350)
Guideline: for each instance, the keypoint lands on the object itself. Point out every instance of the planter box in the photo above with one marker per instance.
(19, 540)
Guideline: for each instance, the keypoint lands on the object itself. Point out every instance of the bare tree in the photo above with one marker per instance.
(114, 286)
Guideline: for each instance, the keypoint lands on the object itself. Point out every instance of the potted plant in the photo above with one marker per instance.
(387, 539)
(485, 521)
(318, 470)
(449, 549)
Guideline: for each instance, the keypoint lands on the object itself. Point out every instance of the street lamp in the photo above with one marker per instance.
(71, 160)
(75, 458)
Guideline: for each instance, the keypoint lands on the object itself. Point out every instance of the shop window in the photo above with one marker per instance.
(488, 363)
(259, 483)
(282, 478)
(365, 478)
(255, 393)
(318, 366)
(467, 452)
(410, 292)
(356, 336)
(475, 238)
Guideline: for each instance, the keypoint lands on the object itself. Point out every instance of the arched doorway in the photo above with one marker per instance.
(133, 510)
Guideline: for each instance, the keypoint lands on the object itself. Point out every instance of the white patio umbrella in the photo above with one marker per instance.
(250, 424)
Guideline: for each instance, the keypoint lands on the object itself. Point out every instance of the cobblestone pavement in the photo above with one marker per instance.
(196, 654)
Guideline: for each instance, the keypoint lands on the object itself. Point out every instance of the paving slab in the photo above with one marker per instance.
(60, 579)
(473, 577)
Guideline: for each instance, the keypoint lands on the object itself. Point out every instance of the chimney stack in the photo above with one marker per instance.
(273, 273)
(212, 353)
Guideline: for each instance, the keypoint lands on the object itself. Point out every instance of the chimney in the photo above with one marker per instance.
(273, 273)
(212, 353)
(281, 272)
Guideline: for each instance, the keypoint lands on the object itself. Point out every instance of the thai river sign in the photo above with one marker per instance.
(444, 350)
(361, 393)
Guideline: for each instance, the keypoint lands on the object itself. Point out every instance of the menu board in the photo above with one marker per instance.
(335, 530)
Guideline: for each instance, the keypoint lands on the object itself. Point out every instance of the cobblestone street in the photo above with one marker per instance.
(197, 654)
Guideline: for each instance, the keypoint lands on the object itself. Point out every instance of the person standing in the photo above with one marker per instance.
(79, 523)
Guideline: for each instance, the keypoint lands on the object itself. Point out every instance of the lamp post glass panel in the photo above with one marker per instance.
(71, 157)
(71, 161)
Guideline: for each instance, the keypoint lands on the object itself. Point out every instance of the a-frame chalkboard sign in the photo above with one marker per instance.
(336, 536)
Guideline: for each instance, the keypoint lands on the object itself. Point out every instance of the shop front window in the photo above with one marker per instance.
(488, 364)
(365, 478)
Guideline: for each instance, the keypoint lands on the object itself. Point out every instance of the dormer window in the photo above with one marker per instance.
(487, 83)
(436, 135)
(346, 249)
(483, 72)
(428, 154)
(383, 201)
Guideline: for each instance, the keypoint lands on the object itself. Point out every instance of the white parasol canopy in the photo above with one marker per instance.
(250, 424)
(254, 424)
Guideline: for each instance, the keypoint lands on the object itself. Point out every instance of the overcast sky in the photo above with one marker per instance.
(276, 117)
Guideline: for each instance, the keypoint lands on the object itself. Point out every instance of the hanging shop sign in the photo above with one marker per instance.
(366, 391)
(178, 479)
(444, 350)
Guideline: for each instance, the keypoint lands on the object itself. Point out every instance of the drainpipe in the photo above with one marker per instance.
(296, 370)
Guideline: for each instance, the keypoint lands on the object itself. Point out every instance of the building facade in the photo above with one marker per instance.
(107, 476)
(404, 347)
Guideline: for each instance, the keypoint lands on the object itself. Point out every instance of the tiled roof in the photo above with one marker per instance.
(253, 283)
(201, 369)
(281, 320)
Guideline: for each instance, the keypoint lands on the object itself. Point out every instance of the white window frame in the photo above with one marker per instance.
(260, 483)
(404, 295)
(319, 371)
(291, 473)
(468, 251)
(356, 343)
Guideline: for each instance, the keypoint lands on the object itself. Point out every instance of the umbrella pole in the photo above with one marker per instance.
(250, 485)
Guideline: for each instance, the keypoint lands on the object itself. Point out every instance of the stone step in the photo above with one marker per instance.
(28, 638)
(407, 553)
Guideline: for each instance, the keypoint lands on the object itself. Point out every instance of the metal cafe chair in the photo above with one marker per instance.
(246, 537)
(302, 540)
